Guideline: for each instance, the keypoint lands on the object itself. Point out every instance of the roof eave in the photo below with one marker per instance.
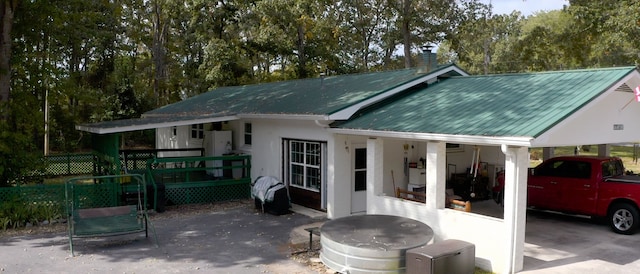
(104, 128)
(519, 141)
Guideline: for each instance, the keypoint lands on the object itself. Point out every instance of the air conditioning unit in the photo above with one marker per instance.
(448, 256)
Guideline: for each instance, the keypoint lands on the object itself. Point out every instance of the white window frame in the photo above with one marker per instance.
(198, 131)
(309, 162)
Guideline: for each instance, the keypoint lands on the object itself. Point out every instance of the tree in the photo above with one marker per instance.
(7, 13)
(422, 22)
(160, 30)
(610, 29)
(301, 33)
(475, 37)
(361, 30)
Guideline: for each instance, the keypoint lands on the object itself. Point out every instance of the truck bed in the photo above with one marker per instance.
(624, 179)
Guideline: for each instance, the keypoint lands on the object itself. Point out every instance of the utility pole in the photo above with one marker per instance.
(46, 120)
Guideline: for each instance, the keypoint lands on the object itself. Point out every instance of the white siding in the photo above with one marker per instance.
(594, 123)
(266, 148)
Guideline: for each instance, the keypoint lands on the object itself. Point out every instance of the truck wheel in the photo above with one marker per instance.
(624, 218)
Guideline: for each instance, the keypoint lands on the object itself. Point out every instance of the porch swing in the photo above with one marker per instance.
(107, 206)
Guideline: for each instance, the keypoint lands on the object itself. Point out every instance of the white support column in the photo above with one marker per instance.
(338, 178)
(547, 153)
(436, 174)
(515, 203)
(375, 170)
(604, 150)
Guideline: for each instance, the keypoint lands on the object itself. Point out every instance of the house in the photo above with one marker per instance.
(343, 144)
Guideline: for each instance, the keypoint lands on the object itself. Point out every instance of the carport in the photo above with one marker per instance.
(506, 113)
(558, 243)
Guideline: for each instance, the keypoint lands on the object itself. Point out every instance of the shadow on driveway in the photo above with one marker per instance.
(238, 240)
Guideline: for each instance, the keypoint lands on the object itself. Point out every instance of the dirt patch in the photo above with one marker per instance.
(311, 259)
(176, 211)
(58, 227)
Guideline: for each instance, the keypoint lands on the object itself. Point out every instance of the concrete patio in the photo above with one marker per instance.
(242, 240)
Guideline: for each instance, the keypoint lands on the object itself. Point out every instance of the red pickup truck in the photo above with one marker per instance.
(586, 185)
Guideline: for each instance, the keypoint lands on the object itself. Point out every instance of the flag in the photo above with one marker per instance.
(637, 92)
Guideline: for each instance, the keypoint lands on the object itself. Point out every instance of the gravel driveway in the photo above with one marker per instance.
(237, 239)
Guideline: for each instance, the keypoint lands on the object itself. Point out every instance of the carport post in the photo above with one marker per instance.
(436, 177)
(375, 169)
(515, 202)
(604, 150)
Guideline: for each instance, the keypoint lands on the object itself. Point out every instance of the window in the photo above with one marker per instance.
(197, 131)
(612, 168)
(247, 134)
(568, 169)
(174, 131)
(304, 164)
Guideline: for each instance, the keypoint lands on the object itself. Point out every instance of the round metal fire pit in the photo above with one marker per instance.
(371, 243)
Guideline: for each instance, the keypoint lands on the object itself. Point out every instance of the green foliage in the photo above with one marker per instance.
(610, 29)
(16, 212)
(19, 157)
(587, 33)
(90, 61)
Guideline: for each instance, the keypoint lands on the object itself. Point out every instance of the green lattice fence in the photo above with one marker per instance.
(191, 180)
(95, 192)
(69, 164)
(51, 195)
(186, 180)
(135, 160)
(186, 193)
(104, 191)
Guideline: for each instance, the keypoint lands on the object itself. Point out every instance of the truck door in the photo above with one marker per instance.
(578, 192)
(542, 185)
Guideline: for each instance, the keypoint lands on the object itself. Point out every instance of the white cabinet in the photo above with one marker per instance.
(417, 176)
(216, 143)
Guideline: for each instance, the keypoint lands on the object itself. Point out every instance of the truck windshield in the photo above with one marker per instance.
(612, 168)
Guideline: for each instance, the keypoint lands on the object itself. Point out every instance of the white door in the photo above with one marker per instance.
(359, 180)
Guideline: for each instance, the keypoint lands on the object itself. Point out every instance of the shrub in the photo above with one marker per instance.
(16, 213)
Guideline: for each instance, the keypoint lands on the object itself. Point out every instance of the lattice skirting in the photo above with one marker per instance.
(179, 194)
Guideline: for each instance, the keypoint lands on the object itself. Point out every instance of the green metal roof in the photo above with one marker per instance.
(317, 96)
(510, 105)
(125, 125)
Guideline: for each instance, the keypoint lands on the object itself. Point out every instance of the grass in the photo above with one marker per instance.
(628, 154)
(482, 271)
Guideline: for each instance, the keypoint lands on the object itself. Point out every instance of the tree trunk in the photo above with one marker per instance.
(406, 32)
(302, 59)
(158, 53)
(7, 9)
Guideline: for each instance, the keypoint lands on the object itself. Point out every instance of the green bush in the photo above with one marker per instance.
(16, 213)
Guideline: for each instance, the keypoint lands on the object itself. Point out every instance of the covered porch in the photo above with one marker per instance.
(505, 114)
(387, 157)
